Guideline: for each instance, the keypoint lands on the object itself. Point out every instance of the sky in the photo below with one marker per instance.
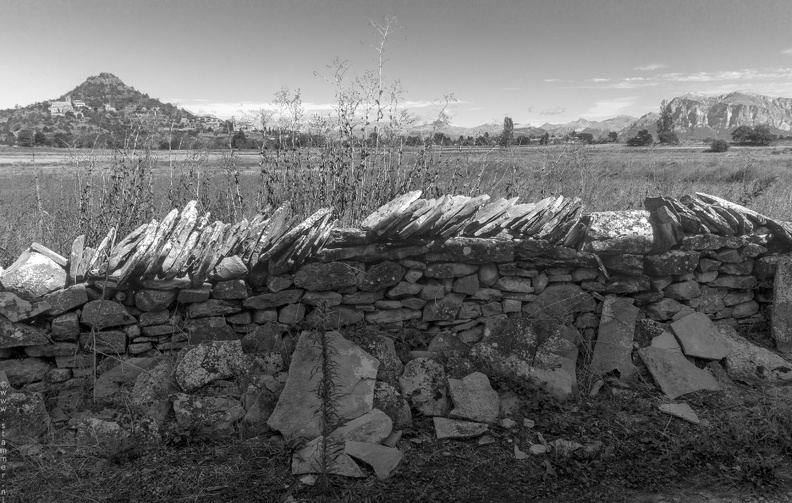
(535, 61)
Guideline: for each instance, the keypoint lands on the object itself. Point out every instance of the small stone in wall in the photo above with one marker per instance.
(110, 341)
(101, 314)
(383, 275)
(323, 277)
(443, 309)
(154, 300)
(194, 295)
(232, 289)
(450, 270)
(214, 307)
(270, 300)
(683, 291)
(392, 316)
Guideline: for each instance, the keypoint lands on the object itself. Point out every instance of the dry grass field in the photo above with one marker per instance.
(52, 196)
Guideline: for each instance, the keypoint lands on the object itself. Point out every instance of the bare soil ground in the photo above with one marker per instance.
(742, 453)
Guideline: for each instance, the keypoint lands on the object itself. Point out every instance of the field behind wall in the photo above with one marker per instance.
(53, 195)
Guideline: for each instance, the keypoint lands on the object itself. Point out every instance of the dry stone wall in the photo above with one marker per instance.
(520, 288)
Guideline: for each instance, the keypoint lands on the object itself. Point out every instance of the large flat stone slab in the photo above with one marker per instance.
(383, 459)
(749, 362)
(512, 347)
(699, 337)
(781, 327)
(674, 374)
(474, 399)
(33, 275)
(356, 371)
(615, 340)
(308, 459)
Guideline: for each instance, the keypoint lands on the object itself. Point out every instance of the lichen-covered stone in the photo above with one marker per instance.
(33, 275)
(424, 381)
(18, 334)
(213, 308)
(154, 300)
(208, 362)
(277, 299)
(208, 417)
(449, 270)
(231, 289)
(317, 277)
(25, 371)
(383, 275)
(25, 418)
(618, 232)
(674, 263)
(390, 401)
(101, 314)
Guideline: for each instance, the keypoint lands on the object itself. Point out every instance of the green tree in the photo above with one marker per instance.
(665, 124)
(239, 141)
(719, 146)
(25, 138)
(642, 139)
(613, 136)
(755, 136)
(40, 139)
(545, 139)
(507, 135)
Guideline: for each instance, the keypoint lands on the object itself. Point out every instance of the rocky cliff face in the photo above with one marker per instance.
(701, 116)
(732, 110)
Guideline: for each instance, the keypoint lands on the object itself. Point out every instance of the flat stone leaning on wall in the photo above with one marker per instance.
(184, 309)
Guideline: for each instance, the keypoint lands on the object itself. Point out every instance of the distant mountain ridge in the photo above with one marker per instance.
(696, 116)
(98, 111)
(104, 105)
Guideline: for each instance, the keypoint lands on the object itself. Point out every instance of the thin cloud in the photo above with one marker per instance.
(598, 79)
(235, 109)
(512, 88)
(787, 51)
(760, 80)
(609, 108)
(552, 80)
(553, 111)
(650, 67)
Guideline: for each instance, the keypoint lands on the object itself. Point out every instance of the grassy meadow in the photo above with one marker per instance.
(51, 195)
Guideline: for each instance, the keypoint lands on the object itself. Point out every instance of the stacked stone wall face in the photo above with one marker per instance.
(444, 294)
